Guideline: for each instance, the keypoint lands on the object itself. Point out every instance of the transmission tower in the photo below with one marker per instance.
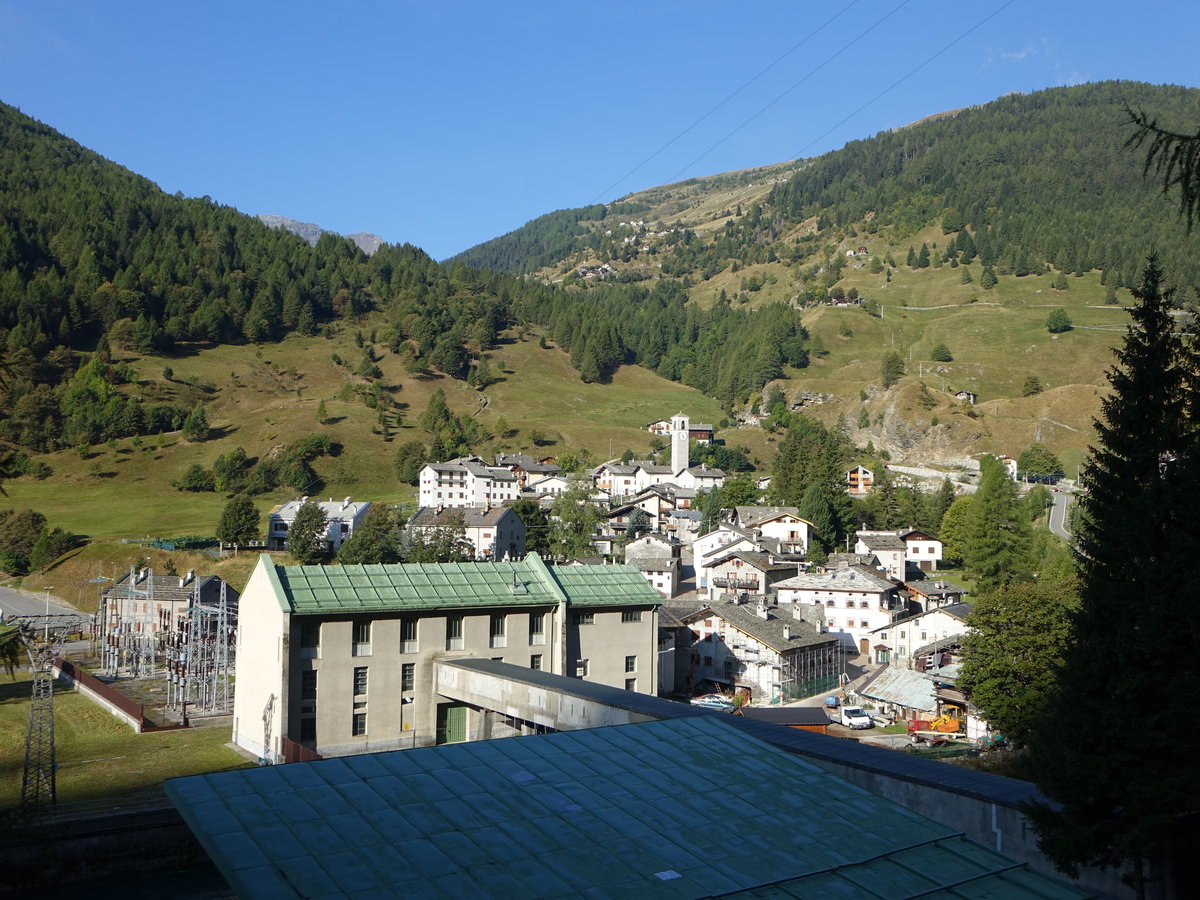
(198, 656)
(43, 637)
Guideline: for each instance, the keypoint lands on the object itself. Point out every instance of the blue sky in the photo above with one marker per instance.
(445, 124)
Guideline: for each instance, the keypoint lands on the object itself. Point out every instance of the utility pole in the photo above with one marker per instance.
(38, 779)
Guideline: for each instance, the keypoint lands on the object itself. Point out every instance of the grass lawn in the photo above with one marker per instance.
(98, 757)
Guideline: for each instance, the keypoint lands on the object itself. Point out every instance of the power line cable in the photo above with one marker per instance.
(905, 77)
(797, 84)
(599, 197)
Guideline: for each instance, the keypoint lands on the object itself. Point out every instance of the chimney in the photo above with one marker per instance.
(762, 612)
(345, 503)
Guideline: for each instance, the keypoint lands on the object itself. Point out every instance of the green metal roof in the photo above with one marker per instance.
(305, 590)
(679, 808)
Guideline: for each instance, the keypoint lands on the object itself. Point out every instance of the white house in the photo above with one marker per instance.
(743, 572)
(903, 642)
(657, 558)
(548, 486)
(466, 481)
(496, 533)
(341, 518)
(923, 551)
(782, 523)
(857, 601)
(887, 547)
(763, 649)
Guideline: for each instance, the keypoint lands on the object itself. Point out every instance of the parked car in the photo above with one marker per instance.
(714, 701)
(855, 717)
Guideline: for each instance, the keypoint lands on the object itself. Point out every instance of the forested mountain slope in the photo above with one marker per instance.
(1034, 179)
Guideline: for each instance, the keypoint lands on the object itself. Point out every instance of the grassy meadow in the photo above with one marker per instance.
(99, 757)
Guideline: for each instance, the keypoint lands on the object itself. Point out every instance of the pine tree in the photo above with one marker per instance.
(815, 508)
(893, 369)
(322, 415)
(999, 538)
(1117, 796)
(1017, 637)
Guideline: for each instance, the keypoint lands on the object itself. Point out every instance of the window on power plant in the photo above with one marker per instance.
(537, 628)
(454, 633)
(498, 638)
(360, 681)
(631, 615)
(408, 635)
(408, 676)
(362, 638)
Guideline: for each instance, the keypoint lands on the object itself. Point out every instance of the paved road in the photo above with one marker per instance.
(1058, 515)
(28, 604)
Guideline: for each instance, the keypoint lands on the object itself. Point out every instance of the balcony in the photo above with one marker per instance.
(735, 584)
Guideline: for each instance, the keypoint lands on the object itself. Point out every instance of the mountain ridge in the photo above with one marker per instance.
(365, 241)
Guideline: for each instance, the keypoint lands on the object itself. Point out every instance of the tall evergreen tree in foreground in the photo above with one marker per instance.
(1114, 753)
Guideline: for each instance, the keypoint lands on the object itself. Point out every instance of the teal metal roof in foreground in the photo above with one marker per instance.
(357, 589)
(680, 808)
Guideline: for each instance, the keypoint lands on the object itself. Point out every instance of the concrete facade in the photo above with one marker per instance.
(341, 659)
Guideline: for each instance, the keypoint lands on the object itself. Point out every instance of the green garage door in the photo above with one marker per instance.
(452, 723)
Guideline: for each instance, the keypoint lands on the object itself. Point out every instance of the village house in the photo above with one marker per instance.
(657, 558)
(782, 523)
(763, 649)
(856, 600)
(859, 481)
(526, 467)
(744, 572)
(887, 548)
(930, 593)
(495, 533)
(466, 481)
(341, 518)
(923, 551)
(547, 486)
(340, 660)
(918, 642)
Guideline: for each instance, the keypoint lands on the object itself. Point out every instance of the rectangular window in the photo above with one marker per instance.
(497, 637)
(631, 664)
(581, 668)
(408, 676)
(585, 618)
(537, 628)
(454, 633)
(308, 685)
(535, 662)
(360, 680)
(358, 726)
(362, 639)
(631, 615)
(408, 635)
(310, 634)
(631, 684)
(308, 728)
